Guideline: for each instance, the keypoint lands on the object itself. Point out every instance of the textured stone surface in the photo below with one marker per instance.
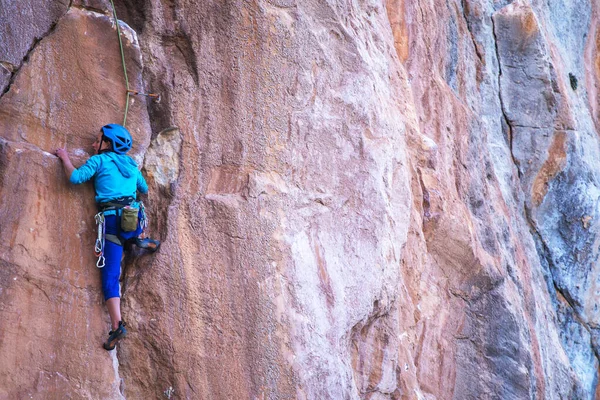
(365, 200)
(52, 312)
(69, 88)
(24, 23)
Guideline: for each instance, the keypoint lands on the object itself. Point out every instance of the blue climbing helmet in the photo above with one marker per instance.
(119, 137)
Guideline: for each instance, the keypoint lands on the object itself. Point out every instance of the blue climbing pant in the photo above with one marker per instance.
(111, 273)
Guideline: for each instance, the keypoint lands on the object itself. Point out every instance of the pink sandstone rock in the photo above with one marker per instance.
(357, 200)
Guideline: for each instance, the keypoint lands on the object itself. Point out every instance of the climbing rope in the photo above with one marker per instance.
(123, 61)
(129, 92)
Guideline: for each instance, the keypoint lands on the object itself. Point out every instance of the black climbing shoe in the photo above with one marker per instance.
(115, 336)
(151, 245)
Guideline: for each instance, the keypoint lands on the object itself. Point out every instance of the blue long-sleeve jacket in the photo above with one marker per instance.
(115, 176)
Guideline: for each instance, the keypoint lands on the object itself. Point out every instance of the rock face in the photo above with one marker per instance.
(364, 200)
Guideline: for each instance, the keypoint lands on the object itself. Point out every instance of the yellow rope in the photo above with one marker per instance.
(123, 61)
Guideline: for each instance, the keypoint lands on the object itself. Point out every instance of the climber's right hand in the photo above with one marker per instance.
(62, 153)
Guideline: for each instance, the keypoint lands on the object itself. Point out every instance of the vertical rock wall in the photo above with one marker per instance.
(357, 200)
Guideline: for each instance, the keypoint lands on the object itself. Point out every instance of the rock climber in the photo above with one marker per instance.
(117, 179)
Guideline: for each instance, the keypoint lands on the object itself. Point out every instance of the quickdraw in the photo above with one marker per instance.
(154, 96)
(144, 219)
(99, 246)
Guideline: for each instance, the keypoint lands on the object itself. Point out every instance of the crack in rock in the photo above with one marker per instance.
(505, 120)
(126, 31)
(14, 70)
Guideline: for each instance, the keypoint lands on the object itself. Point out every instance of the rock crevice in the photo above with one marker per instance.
(13, 68)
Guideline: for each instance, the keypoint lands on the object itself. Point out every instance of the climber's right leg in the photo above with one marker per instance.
(111, 287)
(114, 311)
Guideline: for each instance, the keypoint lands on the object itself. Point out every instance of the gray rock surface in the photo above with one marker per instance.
(24, 24)
(5, 74)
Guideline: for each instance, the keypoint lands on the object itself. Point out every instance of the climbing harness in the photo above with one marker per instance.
(99, 246)
(129, 92)
(116, 208)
